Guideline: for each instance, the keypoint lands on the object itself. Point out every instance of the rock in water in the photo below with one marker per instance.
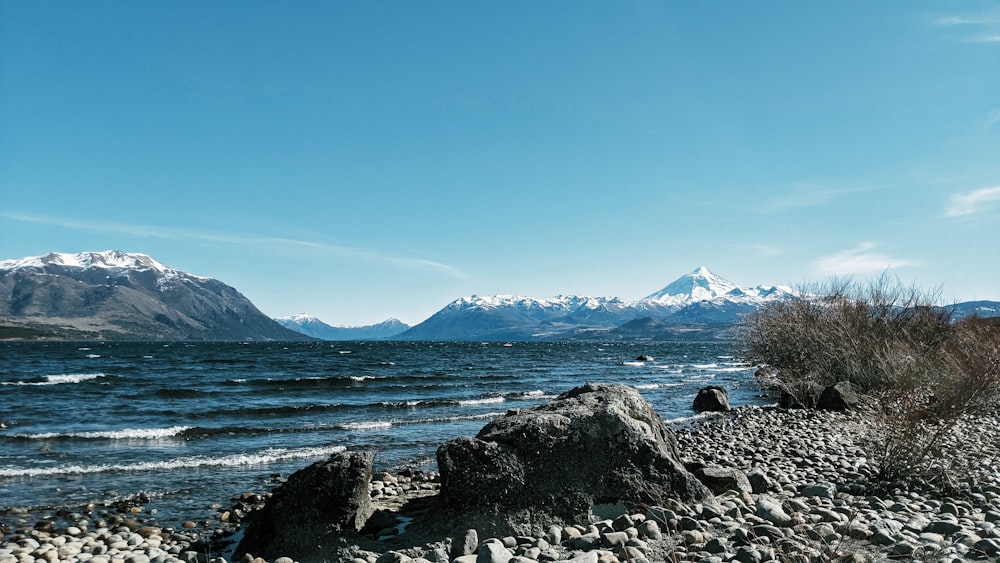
(595, 444)
(314, 509)
(712, 399)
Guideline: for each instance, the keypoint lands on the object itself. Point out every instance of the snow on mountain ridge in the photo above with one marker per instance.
(701, 285)
(299, 318)
(108, 259)
(559, 303)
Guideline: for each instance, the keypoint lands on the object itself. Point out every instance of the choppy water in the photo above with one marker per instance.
(193, 424)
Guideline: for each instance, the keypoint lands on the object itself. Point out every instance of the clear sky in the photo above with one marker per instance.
(367, 160)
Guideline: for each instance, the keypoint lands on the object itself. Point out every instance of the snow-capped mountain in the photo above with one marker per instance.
(121, 295)
(703, 285)
(311, 326)
(109, 260)
(698, 297)
(699, 285)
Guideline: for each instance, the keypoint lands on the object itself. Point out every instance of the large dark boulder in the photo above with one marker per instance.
(593, 445)
(711, 399)
(838, 397)
(314, 510)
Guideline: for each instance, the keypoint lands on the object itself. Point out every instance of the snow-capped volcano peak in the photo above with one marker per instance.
(699, 285)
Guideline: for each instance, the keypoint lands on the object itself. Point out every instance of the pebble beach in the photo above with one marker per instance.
(806, 494)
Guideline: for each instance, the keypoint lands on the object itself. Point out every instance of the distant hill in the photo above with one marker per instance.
(118, 295)
(311, 326)
(979, 308)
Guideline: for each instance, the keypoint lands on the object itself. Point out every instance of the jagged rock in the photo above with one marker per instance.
(838, 397)
(759, 481)
(722, 479)
(712, 399)
(314, 509)
(595, 444)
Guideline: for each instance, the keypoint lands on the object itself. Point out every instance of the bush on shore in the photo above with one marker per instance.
(920, 373)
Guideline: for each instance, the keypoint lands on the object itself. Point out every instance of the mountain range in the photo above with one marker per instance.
(311, 326)
(696, 305)
(118, 295)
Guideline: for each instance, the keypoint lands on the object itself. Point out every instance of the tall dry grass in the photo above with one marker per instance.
(920, 373)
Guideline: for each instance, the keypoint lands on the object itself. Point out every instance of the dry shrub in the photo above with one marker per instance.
(917, 422)
(846, 331)
(920, 372)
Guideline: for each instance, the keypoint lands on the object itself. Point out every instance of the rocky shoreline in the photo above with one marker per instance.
(790, 485)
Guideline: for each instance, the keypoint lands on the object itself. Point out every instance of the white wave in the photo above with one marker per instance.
(410, 403)
(58, 379)
(633, 363)
(691, 418)
(486, 401)
(92, 356)
(482, 416)
(704, 366)
(362, 377)
(699, 378)
(374, 425)
(125, 434)
(261, 458)
(657, 385)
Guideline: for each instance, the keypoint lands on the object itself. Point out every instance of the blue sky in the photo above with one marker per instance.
(367, 160)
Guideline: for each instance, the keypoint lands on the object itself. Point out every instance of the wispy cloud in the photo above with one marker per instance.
(977, 28)
(859, 260)
(806, 196)
(280, 245)
(977, 201)
(980, 19)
